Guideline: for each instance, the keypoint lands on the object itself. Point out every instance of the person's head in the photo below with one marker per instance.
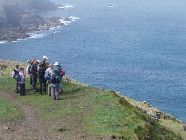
(17, 66)
(38, 61)
(28, 61)
(22, 69)
(56, 64)
(34, 61)
(50, 66)
(45, 58)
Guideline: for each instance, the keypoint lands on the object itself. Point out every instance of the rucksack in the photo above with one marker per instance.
(14, 73)
(18, 77)
(30, 69)
(54, 79)
(56, 70)
(58, 78)
(47, 75)
(62, 72)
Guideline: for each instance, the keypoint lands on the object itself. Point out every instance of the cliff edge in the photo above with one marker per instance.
(84, 112)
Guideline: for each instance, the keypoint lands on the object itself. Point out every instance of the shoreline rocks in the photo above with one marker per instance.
(10, 34)
(19, 19)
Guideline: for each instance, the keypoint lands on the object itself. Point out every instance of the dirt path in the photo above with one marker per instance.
(29, 128)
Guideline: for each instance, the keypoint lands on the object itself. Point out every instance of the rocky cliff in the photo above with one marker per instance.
(19, 17)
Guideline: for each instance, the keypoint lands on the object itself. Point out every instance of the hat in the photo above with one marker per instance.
(28, 61)
(44, 57)
(56, 63)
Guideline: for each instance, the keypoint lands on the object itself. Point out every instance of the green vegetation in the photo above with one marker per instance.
(87, 110)
(9, 111)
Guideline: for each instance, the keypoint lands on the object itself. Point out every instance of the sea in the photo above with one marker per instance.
(136, 47)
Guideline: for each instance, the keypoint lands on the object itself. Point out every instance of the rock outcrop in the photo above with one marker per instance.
(20, 17)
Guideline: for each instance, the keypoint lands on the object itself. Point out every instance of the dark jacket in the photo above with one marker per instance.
(41, 73)
(34, 69)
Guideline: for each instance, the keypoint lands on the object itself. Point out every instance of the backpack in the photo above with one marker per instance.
(47, 75)
(29, 69)
(55, 79)
(58, 78)
(14, 73)
(56, 70)
(18, 77)
(62, 72)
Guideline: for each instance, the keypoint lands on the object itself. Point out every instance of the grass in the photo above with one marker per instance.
(9, 111)
(90, 110)
(174, 126)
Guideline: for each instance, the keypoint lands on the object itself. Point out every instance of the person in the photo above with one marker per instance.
(45, 66)
(28, 70)
(22, 82)
(34, 75)
(45, 62)
(14, 75)
(54, 86)
(48, 74)
(42, 80)
(59, 72)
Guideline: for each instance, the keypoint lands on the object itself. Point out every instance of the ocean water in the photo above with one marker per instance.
(137, 47)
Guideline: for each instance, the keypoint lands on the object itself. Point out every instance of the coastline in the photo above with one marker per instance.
(30, 21)
(146, 111)
(151, 111)
(34, 32)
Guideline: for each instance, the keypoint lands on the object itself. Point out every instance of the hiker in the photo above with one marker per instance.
(28, 70)
(54, 86)
(45, 66)
(58, 71)
(48, 74)
(44, 62)
(22, 82)
(34, 75)
(14, 75)
(42, 81)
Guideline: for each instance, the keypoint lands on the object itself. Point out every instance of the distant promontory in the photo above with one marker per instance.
(20, 17)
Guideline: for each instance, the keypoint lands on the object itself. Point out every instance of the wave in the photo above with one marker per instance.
(52, 28)
(66, 6)
(110, 6)
(65, 22)
(36, 35)
(68, 20)
(3, 42)
(74, 18)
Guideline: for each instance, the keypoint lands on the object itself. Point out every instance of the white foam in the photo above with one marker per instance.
(73, 18)
(36, 35)
(65, 22)
(15, 41)
(110, 6)
(3, 42)
(68, 20)
(66, 6)
(52, 28)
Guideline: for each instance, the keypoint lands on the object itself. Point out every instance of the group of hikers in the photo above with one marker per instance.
(47, 74)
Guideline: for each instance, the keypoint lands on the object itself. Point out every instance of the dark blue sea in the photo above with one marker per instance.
(137, 47)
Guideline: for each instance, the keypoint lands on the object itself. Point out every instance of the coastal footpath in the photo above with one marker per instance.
(84, 112)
